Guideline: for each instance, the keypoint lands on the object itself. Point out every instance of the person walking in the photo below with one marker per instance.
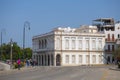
(31, 62)
(27, 63)
(18, 63)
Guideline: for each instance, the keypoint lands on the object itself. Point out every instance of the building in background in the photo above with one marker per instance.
(70, 47)
(111, 29)
(86, 45)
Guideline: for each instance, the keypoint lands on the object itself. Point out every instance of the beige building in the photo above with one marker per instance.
(111, 29)
(69, 47)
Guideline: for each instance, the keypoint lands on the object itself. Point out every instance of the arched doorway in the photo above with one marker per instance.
(48, 60)
(52, 63)
(108, 59)
(58, 60)
(42, 59)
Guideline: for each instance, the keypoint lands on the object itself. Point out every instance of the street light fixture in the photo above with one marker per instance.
(26, 25)
(3, 30)
(1, 47)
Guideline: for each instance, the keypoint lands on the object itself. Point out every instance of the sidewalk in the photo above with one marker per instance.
(113, 73)
(115, 68)
(12, 71)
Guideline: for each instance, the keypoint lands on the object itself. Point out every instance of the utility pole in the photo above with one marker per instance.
(1, 35)
(1, 47)
(11, 45)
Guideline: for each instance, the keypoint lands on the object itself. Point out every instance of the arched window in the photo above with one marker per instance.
(112, 37)
(58, 60)
(42, 44)
(87, 44)
(94, 59)
(67, 59)
(73, 59)
(80, 44)
(87, 59)
(73, 44)
(93, 44)
(118, 35)
(108, 47)
(80, 59)
(39, 44)
(100, 44)
(113, 48)
(66, 44)
(58, 43)
(45, 43)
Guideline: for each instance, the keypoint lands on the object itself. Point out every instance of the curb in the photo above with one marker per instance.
(114, 69)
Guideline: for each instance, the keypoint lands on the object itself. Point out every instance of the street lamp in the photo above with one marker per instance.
(1, 47)
(3, 30)
(26, 25)
(11, 45)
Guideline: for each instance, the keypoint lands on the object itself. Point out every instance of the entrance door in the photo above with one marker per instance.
(58, 60)
(108, 60)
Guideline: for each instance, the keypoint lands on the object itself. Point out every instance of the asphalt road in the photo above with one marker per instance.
(62, 73)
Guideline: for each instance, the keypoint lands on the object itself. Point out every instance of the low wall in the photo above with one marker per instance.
(4, 66)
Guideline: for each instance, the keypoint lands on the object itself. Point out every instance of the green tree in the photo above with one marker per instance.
(4, 51)
(17, 52)
(28, 53)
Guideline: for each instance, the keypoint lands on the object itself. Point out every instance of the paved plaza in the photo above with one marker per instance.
(63, 73)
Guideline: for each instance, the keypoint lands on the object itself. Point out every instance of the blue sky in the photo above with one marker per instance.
(44, 15)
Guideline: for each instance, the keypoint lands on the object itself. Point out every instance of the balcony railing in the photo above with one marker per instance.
(109, 50)
(109, 40)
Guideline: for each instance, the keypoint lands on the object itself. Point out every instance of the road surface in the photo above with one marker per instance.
(62, 73)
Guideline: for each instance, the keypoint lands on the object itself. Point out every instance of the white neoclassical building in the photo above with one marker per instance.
(69, 47)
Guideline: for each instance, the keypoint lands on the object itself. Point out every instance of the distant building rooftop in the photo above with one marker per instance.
(104, 23)
(104, 19)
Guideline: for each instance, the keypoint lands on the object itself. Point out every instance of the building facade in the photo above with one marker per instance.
(70, 47)
(111, 29)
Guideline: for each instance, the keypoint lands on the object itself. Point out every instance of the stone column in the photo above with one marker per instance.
(43, 60)
(36, 58)
(50, 59)
(38, 61)
(54, 60)
(46, 60)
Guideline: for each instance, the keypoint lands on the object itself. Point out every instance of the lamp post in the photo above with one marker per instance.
(11, 45)
(1, 47)
(26, 25)
(3, 30)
